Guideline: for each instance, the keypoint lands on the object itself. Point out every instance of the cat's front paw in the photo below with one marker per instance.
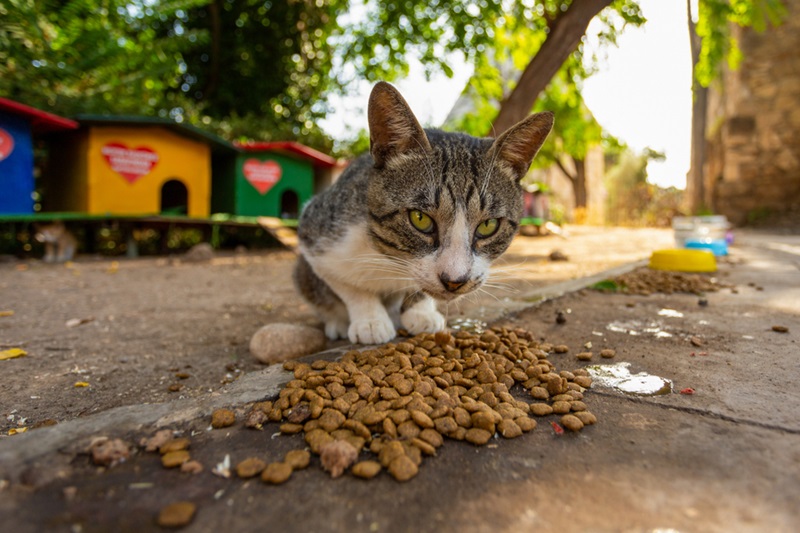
(371, 331)
(422, 321)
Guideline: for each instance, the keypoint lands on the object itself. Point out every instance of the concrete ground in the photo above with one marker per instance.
(725, 458)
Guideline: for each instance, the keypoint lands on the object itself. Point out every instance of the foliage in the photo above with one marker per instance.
(718, 45)
(632, 200)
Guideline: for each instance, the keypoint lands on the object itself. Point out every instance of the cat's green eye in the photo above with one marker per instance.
(487, 228)
(421, 221)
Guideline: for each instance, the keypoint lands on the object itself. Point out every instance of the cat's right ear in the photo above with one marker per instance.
(393, 128)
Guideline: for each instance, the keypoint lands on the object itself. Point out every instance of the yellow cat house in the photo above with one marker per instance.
(116, 165)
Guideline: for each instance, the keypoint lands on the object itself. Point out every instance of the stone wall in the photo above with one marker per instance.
(753, 137)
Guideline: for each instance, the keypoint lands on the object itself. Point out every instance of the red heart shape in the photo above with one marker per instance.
(262, 175)
(6, 144)
(130, 163)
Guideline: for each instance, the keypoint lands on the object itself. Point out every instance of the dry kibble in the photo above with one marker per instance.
(399, 401)
(584, 356)
(366, 469)
(110, 452)
(571, 422)
(297, 459)
(173, 459)
(177, 514)
(222, 418)
(191, 467)
(250, 467)
(607, 353)
(780, 329)
(174, 445)
(276, 473)
(402, 468)
(477, 436)
(586, 417)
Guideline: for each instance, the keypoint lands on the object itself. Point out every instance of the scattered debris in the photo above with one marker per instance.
(558, 255)
(222, 418)
(337, 456)
(687, 391)
(74, 322)
(12, 353)
(110, 452)
(780, 329)
(645, 281)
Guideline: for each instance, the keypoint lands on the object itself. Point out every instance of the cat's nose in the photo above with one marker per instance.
(452, 285)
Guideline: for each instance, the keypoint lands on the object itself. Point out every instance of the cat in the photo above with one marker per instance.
(418, 219)
(59, 244)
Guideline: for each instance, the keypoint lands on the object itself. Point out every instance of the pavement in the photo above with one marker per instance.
(724, 458)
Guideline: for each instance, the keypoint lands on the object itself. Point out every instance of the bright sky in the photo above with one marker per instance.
(642, 93)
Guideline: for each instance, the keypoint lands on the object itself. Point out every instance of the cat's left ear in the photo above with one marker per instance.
(519, 144)
(393, 128)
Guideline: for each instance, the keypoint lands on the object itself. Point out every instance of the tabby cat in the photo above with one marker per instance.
(418, 219)
(59, 243)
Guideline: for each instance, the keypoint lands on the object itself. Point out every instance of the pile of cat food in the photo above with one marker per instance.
(645, 281)
(400, 401)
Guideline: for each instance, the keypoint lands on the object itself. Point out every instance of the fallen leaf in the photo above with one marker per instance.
(14, 431)
(81, 384)
(6, 313)
(697, 341)
(12, 353)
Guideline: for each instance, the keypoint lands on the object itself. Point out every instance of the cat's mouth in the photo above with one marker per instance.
(446, 295)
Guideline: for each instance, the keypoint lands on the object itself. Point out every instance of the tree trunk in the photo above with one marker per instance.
(214, 10)
(578, 180)
(695, 184)
(565, 35)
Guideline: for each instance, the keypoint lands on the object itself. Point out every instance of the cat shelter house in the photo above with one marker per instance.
(134, 166)
(19, 125)
(273, 179)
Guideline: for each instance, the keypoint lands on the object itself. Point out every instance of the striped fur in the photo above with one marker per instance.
(365, 267)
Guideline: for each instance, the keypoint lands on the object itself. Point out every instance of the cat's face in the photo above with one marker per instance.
(443, 206)
(445, 215)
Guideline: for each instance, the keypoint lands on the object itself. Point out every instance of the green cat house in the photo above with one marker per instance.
(273, 179)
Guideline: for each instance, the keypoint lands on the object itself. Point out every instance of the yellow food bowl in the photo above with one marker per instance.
(683, 260)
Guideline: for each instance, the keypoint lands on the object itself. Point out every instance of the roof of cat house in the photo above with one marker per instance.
(316, 157)
(217, 144)
(41, 121)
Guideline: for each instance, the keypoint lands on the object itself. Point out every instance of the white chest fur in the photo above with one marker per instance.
(352, 261)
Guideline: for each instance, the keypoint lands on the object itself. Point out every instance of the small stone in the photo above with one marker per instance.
(337, 456)
(177, 514)
(275, 343)
(222, 418)
(110, 452)
(561, 318)
(191, 467)
(780, 329)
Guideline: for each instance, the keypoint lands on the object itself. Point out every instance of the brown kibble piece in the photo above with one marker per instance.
(571, 422)
(297, 459)
(177, 514)
(561, 407)
(337, 456)
(222, 418)
(525, 423)
(584, 356)
(780, 329)
(366, 469)
(477, 436)
(402, 468)
(607, 353)
(541, 409)
(276, 473)
(561, 348)
(509, 429)
(586, 417)
(583, 381)
(173, 459)
(174, 445)
(250, 467)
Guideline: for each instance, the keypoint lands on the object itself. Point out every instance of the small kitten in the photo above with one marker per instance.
(418, 219)
(59, 244)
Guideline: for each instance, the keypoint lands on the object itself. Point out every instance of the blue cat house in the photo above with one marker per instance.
(18, 125)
